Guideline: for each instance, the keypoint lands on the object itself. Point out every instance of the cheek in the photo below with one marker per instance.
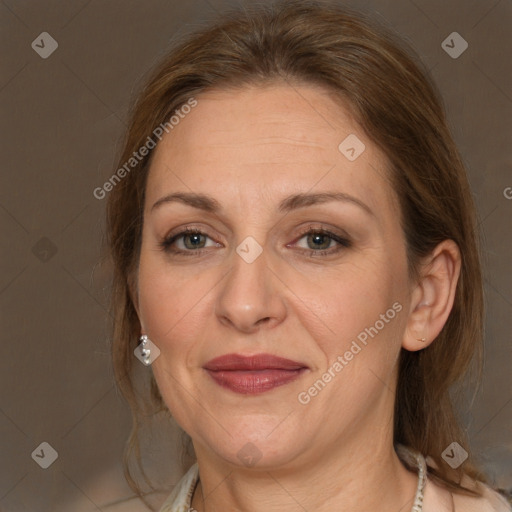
(172, 309)
(360, 350)
(353, 299)
(169, 302)
(366, 314)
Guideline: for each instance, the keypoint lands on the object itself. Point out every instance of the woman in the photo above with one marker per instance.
(295, 256)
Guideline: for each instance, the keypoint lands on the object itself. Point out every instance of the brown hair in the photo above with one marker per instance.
(400, 110)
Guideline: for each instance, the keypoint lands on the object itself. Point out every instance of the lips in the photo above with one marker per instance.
(253, 374)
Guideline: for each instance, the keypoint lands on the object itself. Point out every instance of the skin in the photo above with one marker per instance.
(250, 148)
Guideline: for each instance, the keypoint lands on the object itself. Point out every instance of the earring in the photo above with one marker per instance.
(421, 339)
(145, 351)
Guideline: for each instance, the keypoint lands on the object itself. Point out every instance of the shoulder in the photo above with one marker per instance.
(181, 496)
(490, 501)
(439, 499)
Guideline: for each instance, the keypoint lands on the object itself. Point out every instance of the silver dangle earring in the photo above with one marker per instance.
(145, 351)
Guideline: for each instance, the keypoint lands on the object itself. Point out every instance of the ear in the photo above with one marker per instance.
(432, 297)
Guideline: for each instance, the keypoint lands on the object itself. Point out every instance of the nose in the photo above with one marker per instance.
(251, 296)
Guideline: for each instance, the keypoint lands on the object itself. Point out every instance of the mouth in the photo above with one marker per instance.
(253, 374)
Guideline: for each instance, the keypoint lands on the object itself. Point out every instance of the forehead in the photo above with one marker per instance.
(274, 140)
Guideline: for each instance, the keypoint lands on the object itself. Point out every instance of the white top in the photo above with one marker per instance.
(436, 499)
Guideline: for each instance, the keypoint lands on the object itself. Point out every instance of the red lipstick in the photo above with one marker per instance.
(253, 374)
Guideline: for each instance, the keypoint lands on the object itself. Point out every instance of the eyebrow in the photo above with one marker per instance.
(290, 203)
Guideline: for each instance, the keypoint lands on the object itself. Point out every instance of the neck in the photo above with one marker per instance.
(364, 475)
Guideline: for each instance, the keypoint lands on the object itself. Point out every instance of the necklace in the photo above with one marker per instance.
(407, 455)
(413, 458)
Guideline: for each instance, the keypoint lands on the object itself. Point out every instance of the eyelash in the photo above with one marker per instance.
(343, 243)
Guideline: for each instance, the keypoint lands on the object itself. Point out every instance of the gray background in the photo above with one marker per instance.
(62, 118)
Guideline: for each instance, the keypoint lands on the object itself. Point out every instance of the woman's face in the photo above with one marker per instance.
(251, 166)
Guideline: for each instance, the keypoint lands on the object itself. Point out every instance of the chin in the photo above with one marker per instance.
(257, 443)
